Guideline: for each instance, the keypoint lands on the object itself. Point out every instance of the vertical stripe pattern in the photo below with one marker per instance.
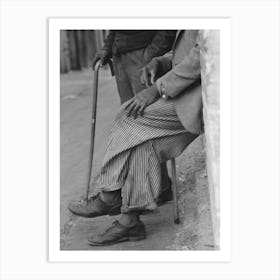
(135, 149)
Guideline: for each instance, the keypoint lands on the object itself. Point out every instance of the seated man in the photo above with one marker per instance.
(154, 126)
(130, 50)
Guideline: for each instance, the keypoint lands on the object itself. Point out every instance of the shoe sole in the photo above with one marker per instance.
(124, 239)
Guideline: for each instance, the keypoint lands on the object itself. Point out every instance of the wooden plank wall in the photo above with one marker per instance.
(78, 47)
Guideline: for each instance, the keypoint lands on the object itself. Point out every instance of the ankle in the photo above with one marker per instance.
(129, 220)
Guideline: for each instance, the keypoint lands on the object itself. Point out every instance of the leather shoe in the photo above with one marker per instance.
(94, 207)
(119, 233)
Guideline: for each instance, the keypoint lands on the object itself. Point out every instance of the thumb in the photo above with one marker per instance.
(144, 76)
(153, 76)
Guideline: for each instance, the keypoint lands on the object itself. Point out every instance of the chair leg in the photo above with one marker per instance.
(175, 192)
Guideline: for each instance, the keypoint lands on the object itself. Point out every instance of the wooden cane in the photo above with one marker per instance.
(96, 69)
(175, 192)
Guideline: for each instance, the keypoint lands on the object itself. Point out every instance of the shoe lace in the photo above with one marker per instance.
(90, 199)
(111, 227)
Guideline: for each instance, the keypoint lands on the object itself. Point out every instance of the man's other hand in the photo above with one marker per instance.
(143, 99)
(103, 56)
(150, 72)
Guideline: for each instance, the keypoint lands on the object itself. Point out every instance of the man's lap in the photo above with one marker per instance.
(160, 109)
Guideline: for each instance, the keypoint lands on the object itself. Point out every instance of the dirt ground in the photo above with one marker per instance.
(193, 233)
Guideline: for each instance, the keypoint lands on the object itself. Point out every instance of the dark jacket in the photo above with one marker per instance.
(123, 41)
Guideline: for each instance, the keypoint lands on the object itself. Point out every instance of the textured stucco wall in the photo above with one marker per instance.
(210, 72)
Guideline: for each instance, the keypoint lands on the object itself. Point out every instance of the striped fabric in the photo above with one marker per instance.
(135, 149)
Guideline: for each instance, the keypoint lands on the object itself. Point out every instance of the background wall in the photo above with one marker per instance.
(78, 47)
(210, 77)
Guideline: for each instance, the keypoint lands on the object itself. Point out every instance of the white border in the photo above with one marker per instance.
(224, 254)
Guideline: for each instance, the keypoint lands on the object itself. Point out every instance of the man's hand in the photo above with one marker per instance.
(103, 56)
(143, 99)
(150, 72)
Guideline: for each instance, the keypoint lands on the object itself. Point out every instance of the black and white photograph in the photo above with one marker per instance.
(140, 139)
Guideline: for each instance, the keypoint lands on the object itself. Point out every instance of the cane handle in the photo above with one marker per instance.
(98, 65)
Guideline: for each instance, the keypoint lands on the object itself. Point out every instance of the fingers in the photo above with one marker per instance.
(104, 61)
(141, 110)
(130, 109)
(136, 111)
(127, 103)
(142, 76)
(134, 108)
(96, 60)
(148, 80)
(146, 77)
(153, 76)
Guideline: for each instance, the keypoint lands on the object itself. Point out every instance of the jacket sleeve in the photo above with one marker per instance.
(165, 63)
(108, 43)
(182, 75)
(162, 42)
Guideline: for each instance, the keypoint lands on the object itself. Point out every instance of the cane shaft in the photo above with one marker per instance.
(175, 192)
(92, 134)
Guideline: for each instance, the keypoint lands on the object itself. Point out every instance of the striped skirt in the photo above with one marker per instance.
(135, 150)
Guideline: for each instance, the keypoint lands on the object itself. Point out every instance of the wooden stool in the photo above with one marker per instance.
(174, 191)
